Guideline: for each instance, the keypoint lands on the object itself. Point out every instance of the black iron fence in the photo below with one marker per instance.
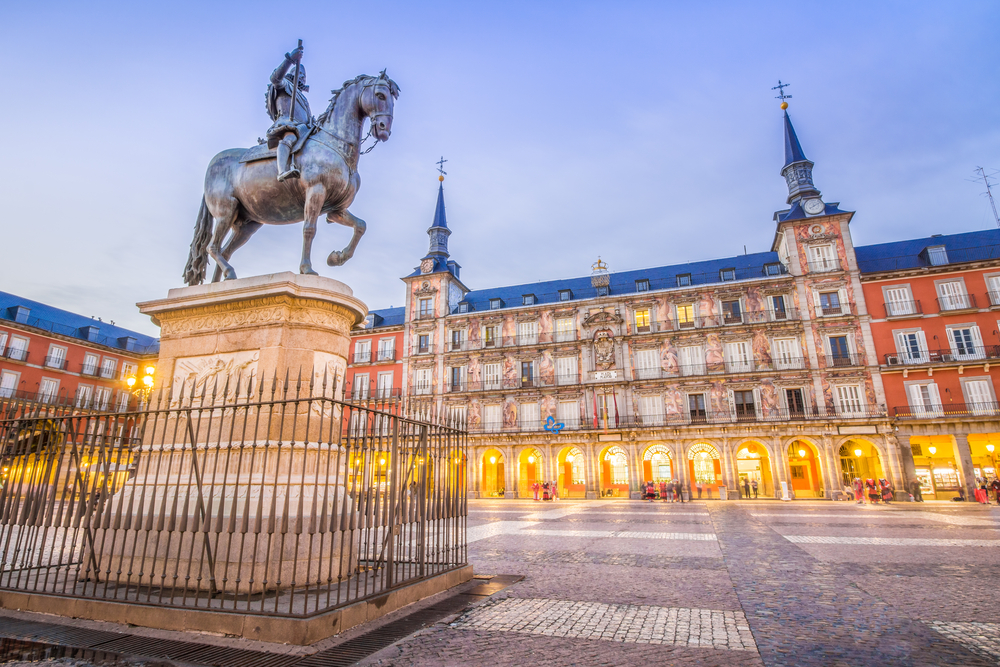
(933, 411)
(263, 498)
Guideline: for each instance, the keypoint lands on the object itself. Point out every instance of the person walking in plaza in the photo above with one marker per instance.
(698, 486)
(663, 490)
(678, 496)
(995, 485)
(753, 485)
(555, 490)
(534, 487)
(746, 488)
(984, 495)
(859, 490)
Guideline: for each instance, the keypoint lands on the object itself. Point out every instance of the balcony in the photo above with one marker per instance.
(89, 369)
(968, 353)
(425, 316)
(993, 298)
(16, 354)
(902, 309)
(386, 355)
(824, 265)
(845, 360)
(728, 319)
(724, 368)
(957, 302)
(107, 372)
(362, 357)
(949, 410)
(56, 362)
(834, 310)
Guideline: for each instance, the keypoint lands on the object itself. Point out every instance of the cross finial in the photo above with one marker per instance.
(781, 93)
(440, 164)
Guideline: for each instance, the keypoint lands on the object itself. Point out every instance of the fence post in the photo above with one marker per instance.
(422, 503)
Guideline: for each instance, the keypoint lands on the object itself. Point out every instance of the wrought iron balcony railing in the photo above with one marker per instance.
(720, 368)
(955, 302)
(824, 265)
(844, 360)
(947, 410)
(993, 298)
(89, 369)
(362, 357)
(57, 362)
(946, 356)
(902, 309)
(16, 353)
(519, 382)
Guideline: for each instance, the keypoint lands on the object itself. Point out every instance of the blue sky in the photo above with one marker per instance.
(646, 133)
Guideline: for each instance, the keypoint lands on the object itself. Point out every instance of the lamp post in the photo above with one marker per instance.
(141, 387)
(993, 460)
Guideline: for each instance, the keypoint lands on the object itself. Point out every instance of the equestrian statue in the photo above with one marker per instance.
(263, 185)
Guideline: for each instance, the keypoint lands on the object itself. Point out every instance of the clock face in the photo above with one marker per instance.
(814, 206)
(427, 266)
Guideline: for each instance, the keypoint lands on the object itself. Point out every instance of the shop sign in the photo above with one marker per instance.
(605, 375)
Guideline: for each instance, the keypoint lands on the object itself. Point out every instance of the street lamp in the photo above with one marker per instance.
(993, 460)
(141, 387)
(802, 453)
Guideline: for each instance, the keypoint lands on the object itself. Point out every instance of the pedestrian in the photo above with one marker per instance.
(679, 496)
(746, 488)
(555, 490)
(753, 485)
(650, 491)
(698, 485)
(663, 490)
(984, 491)
(995, 485)
(915, 491)
(534, 487)
(859, 491)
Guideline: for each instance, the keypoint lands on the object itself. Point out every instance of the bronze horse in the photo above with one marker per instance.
(241, 195)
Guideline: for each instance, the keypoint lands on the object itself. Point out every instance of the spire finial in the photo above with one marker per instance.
(441, 171)
(781, 94)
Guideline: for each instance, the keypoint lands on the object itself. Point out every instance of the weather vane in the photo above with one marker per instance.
(440, 164)
(781, 93)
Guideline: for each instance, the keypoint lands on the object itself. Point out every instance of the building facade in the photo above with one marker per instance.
(375, 363)
(53, 356)
(935, 306)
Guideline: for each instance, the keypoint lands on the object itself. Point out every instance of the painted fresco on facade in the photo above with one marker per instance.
(665, 313)
(548, 407)
(761, 349)
(475, 327)
(546, 369)
(509, 328)
(509, 413)
(718, 398)
(768, 398)
(714, 360)
(510, 371)
(673, 403)
(475, 415)
(707, 310)
(669, 360)
(545, 326)
(754, 301)
(475, 373)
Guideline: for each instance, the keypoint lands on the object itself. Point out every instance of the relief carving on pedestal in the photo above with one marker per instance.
(213, 375)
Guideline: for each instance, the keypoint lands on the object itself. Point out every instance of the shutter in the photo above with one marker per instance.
(952, 341)
(819, 307)
(732, 406)
(845, 307)
(916, 399)
(932, 389)
(922, 343)
(756, 403)
(979, 352)
(901, 346)
(978, 395)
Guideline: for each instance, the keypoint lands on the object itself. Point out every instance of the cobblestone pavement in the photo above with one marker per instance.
(724, 583)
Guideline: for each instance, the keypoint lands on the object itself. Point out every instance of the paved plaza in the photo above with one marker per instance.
(725, 583)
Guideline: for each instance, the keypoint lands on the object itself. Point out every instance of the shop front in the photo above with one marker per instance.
(572, 476)
(705, 470)
(754, 465)
(493, 480)
(529, 469)
(614, 473)
(804, 470)
(935, 466)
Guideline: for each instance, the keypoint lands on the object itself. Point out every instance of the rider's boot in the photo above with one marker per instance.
(285, 167)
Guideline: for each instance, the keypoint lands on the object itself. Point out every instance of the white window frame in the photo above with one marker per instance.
(102, 397)
(52, 393)
(974, 348)
(91, 364)
(647, 364)
(975, 404)
(915, 399)
(903, 349)
(529, 416)
(896, 307)
(423, 379)
(527, 333)
(492, 376)
(3, 342)
(567, 370)
(636, 319)
(790, 359)
(360, 386)
(11, 388)
(127, 367)
(568, 413)
(384, 388)
(492, 424)
(84, 395)
(422, 312)
(363, 351)
(62, 351)
(689, 366)
(949, 301)
(993, 288)
(108, 366)
(822, 257)
(848, 406)
(564, 329)
(738, 355)
(19, 344)
(387, 349)
(844, 309)
(651, 409)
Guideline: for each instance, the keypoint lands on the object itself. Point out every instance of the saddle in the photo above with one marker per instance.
(262, 152)
(348, 151)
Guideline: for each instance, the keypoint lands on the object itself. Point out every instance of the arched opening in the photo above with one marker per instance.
(936, 466)
(572, 476)
(657, 465)
(803, 464)
(754, 465)
(705, 468)
(859, 458)
(614, 473)
(494, 484)
(529, 471)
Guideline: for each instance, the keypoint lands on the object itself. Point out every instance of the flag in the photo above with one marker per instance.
(595, 408)
(604, 410)
(615, 396)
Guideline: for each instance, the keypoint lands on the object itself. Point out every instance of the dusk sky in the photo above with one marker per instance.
(646, 133)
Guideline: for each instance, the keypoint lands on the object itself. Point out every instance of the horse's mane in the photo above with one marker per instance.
(393, 88)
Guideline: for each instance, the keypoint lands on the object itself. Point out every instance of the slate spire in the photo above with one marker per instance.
(438, 231)
(798, 169)
(793, 149)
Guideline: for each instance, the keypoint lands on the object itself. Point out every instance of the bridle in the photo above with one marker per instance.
(373, 117)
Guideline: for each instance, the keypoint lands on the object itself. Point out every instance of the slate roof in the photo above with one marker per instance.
(664, 277)
(72, 325)
(796, 212)
(439, 217)
(793, 149)
(895, 255)
(388, 317)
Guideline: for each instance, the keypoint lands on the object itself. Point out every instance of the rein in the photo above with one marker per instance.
(352, 148)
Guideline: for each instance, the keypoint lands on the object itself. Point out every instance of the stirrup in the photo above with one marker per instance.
(291, 173)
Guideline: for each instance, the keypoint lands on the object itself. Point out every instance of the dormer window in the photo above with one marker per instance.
(565, 294)
(642, 285)
(463, 307)
(772, 269)
(727, 275)
(602, 290)
(937, 255)
(496, 304)
(684, 280)
(528, 300)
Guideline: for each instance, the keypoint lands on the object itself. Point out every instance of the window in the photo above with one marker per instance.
(602, 290)
(3, 341)
(685, 316)
(739, 357)
(829, 303)
(47, 390)
(684, 280)
(121, 405)
(778, 308)
(743, 404)
(979, 397)
(692, 360)
(840, 354)
(463, 307)
(567, 413)
(937, 255)
(426, 308)
(924, 399)
(793, 399)
(912, 347)
(359, 388)
(966, 343)
(457, 339)
(457, 377)
(423, 343)
(529, 418)
(527, 373)
(362, 351)
(952, 296)
(527, 333)
(848, 401)
(565, 294)
(651, 410)
(772, 269)
(727, 275)
(822, 258)
(128, 370)
(642, 285)
(422, 379)
(108, 367)
(898, 302)
(385, 385)
(566, 370)
(18, 350)
(787, 354)
(90, 364)
(528, 300)
(83, 396)
(491, 376)
(696, 408)
(618, 462)
(496, 304)
(731, 312)
(56, 357)
(491, 418)
(102, 398)
(387, 349)
(490, 336)
(8, 384)
(647, 364)
(564, 329)
(642, 320)
(992, 284)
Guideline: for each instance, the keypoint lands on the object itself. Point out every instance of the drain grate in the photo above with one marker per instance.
(30, 651)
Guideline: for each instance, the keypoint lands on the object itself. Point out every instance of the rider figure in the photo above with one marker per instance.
(288, 134)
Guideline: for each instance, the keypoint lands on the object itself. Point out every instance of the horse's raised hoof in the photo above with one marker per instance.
(307, 271)
(229, 275)
(336, 258)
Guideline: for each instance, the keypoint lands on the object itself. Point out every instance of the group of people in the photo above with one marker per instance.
(545, 490)
(748, 486)
(874, 490)
(666, 491)
(983, 488)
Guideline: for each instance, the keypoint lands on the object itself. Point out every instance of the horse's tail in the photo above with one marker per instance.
(194, 270)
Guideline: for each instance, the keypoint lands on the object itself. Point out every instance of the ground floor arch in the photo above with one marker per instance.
(753, 464)
(860, 459)
(572, 466)
(494, 478)
(658, 464)
(804, 469)
(936, 466)
(530, 471)
(705, 468)
(614, 472)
